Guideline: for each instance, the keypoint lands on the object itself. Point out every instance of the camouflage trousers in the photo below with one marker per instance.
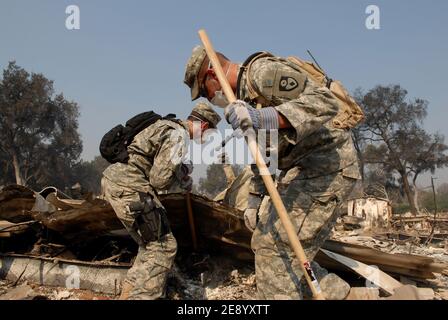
(149, 273)
(313, 206)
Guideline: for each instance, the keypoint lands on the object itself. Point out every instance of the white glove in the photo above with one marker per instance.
(264, 118)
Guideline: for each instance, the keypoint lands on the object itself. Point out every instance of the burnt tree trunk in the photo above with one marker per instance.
(409, 194)
(416, 193)
(16, 165)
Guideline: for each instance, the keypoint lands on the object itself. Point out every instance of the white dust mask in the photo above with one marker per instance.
(220, 99)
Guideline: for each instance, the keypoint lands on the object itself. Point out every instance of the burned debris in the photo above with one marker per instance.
(45, 237)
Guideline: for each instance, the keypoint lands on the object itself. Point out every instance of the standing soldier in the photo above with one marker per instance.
(154, 164)
(316, 157)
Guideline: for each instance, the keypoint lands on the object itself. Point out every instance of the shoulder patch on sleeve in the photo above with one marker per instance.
(288, 83)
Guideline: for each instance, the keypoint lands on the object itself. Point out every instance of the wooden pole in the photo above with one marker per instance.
(191, 221)
(246, 126)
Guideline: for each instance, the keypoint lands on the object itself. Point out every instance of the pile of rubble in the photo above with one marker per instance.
(423, 238)
(45, 238)
(416, 259)
(198, 277)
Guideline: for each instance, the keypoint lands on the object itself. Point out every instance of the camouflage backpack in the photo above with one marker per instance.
(350, 113)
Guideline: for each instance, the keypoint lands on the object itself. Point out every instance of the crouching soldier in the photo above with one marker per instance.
(153, 164)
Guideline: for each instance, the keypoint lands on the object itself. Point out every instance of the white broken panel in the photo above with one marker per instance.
(71, 275)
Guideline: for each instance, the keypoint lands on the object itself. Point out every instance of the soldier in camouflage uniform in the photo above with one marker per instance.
(318, 161)
(155, 164)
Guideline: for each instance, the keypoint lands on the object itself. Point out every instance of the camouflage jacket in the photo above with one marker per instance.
(312, 144)
(155, 155)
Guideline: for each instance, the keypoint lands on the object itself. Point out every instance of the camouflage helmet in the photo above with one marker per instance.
(193, 67)
(204, 112)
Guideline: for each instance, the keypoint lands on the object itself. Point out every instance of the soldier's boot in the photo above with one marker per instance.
(125, 291)
(333, 287)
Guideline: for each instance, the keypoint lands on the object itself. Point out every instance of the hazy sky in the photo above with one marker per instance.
(129, 56)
